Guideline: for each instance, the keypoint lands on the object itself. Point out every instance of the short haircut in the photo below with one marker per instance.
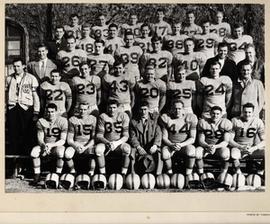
(17, 60)
(205, 21)
(99, 40)
(156, 38)
(84, 104)
(128, 33)
(42, 45)
(149, 66)
(216, 108)
(83, 63)
(190, 12)
(60, 27)
(248, 105)
(113, 25)
(71, 36)
(86, 25)
(222, 44)
(177, 101)
(237, 25)
(74, 15)
(101, 14)
(52, 106)
(244, 63)
(161, 10)
(215, 63)
(189, 39)
(144, 104)
(110, 102)
(144, 25)
(118, 61)
(55, 71)
(250, 45)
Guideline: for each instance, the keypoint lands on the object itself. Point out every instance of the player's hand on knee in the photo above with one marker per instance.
(153, 149)
(141, 151)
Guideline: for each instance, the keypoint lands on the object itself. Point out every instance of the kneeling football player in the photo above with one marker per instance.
(51, 134)
(80, 138)
(112, 135)
(178, 135)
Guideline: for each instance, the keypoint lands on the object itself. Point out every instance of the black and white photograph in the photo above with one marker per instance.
(135, 98)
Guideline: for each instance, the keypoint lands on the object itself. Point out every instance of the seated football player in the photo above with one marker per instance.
(80, 138)
(57, 92)
(144, 41)
(145, 140)
(130, 55)
(119, 86)
(214, 91)
(132, 26)
(51, 135)
(161, 59)
(189, 27)
(86, 43)
(213, 139)
(178, 136)
(151, 90)
(161, 28)
(112, 135)
(182, 89)
(113, 42)
(86, 88)
(74, 28)
(243, 140)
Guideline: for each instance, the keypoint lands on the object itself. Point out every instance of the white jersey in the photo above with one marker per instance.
(222, 30)
(174, 43)
(87, 44)
(162, 28)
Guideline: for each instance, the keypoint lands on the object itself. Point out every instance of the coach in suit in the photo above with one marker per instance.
(42, 67)
(228, 66)
(145, 140)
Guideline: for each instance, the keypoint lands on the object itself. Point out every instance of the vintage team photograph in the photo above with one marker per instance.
(134, 98)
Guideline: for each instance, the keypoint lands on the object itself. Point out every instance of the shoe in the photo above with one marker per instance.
(36, 179)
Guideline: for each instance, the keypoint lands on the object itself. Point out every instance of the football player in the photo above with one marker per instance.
(57, 92)
(243, 139)
(74, 28)
(132, 26)
(175, 41)
(161, 28)
(178, 135)
(190, 28)
(119, 86)
(100, 31)
(51, 134)
(221, 28)
(130, 55)
(86, 43)
(192, 61)
(112, 135)
(213, 139)
(113, 42)
(102, 62)
(237, 43)
(214, 90)
(86, 89)
(151, 90)
(144, 41)
(80, 138)
(161, 59)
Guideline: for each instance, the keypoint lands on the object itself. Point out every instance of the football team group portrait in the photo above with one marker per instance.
(145, 97)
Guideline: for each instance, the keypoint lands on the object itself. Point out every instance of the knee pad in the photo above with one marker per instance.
(235, 153)
(125, 149)
(190, 151)
(100, 149)
(60, 151)
(199, 152)
(35, 153)
(165, 153)
(69, 152)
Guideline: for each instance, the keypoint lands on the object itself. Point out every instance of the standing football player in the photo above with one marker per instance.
(144, 41)
(132, 26)
(161, 28)
(100, 31)
(189, 27)
(113, 42)
(74, 28)
(86, 43)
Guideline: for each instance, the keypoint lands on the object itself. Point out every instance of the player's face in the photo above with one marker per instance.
(150, 75)
(190, 18)
(74, 21)
(18, 67)
(222, 52)
(180, 75)
(145, 31)
(214, 71)
(246, 71)
(144, 111)
(250, 53)
(219, 17)
(178, 110)
(133, 19)
(156, 46)
(189, 46)
(113, 32)
(84, 71)
(83, 110)
(59, 33)
(55, 77)
(86, 32)
(238, 32)
(129, 40)
(99, 48)
(248, 113)
(42, 53)
(206, 28)
(71, 44)
(118, 70)
(101, 21)
(112, 110)
(51, 114)
(160, 15)
(176, 28)
(215, 115)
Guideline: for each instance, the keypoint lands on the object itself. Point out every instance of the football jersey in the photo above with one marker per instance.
(214, 91)
(100, 31)
(206, 43)
(57, 94)
(102, 63)
(82, 128)
(150, 92)
(161, 60)
(135, 29)
(179, 128)
(162, 28)
(222, 30)
(182, 91)
(86, 89)
(75, 30)
(174, 43)
(87, 44)
(70, 60)
(214, 133)
(192, 62)
(144, 43)
(246, 131)
(53, 131)
(191, 30)
(237, 47)
(111, 45)
(113, 128)
(118, 87)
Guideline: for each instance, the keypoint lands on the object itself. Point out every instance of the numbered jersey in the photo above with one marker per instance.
(214, 133)
(82, 128)
(118, 87)
(111, 45)
(71, 60)
(162, 28)
(85, 89)
(144, 43)
(113, 128)
(246, 131)
(87, 44)
(191, 30)
(174, 43)
(57, 94)
(74, 30)
(222, 30)
(150, 92)
(182, 91)
(101, 62)
(135, 29)
(206, 43)
(179, 129)
(161, 60)
(53, 131)
(192, 62)
(237, 47)
(100, 32)
(214, 91)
